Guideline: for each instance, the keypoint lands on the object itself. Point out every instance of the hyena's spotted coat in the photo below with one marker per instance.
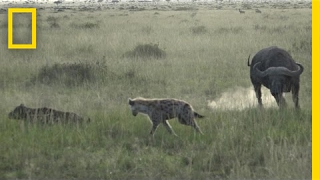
(161, 110)
(45, 115)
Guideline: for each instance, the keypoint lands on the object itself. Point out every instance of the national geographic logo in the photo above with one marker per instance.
(33, 44)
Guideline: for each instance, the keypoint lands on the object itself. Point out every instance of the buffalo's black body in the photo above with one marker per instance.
(275, 69)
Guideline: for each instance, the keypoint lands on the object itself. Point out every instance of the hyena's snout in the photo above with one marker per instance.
(10, 116)
(134, 113)
(133, 110)
(13, 115)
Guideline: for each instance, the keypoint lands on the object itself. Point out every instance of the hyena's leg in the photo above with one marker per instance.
(155, 123)
(169, 128)
(190, 122)
(153, 129)
(196, 127)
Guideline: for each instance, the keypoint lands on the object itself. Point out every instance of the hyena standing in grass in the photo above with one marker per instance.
(161, 110)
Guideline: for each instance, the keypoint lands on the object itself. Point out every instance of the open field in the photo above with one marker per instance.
(91, 60)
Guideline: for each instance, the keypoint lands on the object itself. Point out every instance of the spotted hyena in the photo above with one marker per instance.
(45, 115)
(161, 110)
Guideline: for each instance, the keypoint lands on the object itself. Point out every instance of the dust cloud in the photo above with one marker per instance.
(240, 98)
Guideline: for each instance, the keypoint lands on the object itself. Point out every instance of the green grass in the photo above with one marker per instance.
(205, 60)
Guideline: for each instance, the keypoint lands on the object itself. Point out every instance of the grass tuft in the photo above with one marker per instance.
(86, 25)
(234, 30)
(68, 74)
(185, 8)
(198, 30)
(146, 51)
(53, 22)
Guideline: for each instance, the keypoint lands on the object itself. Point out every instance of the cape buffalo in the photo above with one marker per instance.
(275, 69)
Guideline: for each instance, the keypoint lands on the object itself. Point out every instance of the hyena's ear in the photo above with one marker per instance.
(131, 103)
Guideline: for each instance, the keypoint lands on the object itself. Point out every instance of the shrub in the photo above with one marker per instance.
(303, 44)
(54, 25)
(146, 29)
(246, 6)
(51, 18)
(260, 27)
(234, 30)
(53, 22)
(87, 25)
(193, 14)
(190, 8)
(69, 74)
(146, 51)
(198, 30)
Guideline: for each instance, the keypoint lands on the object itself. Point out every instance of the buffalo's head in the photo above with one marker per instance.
(278, 77)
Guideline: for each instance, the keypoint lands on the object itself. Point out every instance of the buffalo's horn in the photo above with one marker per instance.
(278, 71)
(257, 72)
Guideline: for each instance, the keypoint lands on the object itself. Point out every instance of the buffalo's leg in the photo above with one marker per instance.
(257, 90)
(280, 100)
(295, 95)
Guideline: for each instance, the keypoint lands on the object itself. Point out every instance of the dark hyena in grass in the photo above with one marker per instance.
(45, 115)
(161, 110)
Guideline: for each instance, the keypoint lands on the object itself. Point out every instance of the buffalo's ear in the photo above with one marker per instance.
(131, 103)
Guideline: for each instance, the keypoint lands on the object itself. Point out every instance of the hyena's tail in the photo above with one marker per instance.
(196, 115)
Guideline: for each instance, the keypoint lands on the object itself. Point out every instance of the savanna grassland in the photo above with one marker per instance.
(91, 60)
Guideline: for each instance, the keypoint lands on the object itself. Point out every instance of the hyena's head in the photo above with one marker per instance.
(18, 113)
(133, 107)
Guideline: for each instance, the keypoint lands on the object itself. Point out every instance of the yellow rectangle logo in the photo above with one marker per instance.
(33, 44)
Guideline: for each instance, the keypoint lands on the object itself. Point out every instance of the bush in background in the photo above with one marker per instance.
(146, 51)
